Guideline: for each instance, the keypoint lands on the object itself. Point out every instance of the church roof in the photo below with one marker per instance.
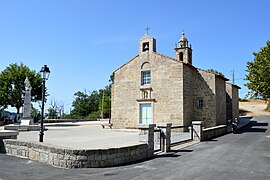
(183, 38)
(238, 87)
(218, 75)
(126, 63)
(159, 54)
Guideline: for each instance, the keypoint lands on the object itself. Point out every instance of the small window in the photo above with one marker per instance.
(200, 104)
(146, 77)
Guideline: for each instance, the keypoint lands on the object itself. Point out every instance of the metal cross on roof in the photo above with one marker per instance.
(147, 29)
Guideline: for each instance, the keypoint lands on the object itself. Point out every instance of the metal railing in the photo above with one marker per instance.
(158, 140)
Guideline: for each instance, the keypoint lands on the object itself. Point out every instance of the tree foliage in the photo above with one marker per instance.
(53, 110)
(90, 105)
(3, 98)
(258, 74)
(105, 101)
(35, 114)
(12, 85)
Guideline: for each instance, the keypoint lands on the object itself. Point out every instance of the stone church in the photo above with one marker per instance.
(155, 88)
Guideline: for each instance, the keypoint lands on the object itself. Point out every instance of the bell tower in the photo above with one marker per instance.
(182, 52)
(147, 44)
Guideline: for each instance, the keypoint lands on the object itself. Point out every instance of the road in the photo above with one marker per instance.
(245, 155)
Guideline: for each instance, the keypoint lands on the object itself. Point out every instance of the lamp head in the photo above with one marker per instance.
(45, 72)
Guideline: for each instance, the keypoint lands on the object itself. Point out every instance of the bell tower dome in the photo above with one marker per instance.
(182, 52)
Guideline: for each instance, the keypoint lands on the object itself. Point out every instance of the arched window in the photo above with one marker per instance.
(145, 73)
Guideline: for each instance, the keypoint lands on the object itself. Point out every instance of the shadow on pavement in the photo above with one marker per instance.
(172, 153)
(214, 140)
(182, 150)
(60, 125)
(169, 154)
(2, 147)
(253, 126)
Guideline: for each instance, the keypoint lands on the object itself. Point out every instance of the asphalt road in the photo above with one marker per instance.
(245, 155)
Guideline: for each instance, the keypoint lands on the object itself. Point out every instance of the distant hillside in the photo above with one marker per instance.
(253, 108)
(7, 113)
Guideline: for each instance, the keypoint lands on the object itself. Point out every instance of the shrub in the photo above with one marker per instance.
(244, 100)
(268, 106)
(95, 114)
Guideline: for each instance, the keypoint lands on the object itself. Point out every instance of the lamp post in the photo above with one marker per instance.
(44, 72)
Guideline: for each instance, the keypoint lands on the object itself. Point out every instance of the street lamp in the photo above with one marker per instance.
(45, 73)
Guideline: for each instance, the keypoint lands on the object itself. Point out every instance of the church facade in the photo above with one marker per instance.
(154, 88)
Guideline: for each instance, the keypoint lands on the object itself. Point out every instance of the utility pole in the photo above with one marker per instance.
(102, 104)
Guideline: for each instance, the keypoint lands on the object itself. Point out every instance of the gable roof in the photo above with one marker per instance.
(173, 59)
(159, 54)
(126, 63)
(218, 75)
(238, 87)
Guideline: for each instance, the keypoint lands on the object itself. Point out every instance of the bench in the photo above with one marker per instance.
(105, 122)
(109, 125)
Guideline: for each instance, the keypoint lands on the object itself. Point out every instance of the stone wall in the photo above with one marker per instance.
(220, 101)
(188, 94)
(124, 95)
(232, 101)
(204, 88)
(213, 132)
(69, 158)
(235, 101)
(166, 91)
(229, 107)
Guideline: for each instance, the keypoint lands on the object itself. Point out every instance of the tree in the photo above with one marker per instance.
(53, 109)
(106, 103)
(90, 105)
(3, 99)
(35, 114)
(259, 74)
(82, 105)
(12, 85)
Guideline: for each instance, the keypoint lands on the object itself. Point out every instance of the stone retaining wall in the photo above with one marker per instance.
(68, 158)
(213, 132)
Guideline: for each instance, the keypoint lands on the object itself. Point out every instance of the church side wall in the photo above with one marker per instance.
(204, 89)
(220, 101)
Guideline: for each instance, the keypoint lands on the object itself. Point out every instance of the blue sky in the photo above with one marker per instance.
(84, 41)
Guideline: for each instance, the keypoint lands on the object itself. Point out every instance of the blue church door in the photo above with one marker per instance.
(145, 113)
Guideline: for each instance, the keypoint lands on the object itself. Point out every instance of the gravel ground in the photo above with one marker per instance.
(254, 108)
